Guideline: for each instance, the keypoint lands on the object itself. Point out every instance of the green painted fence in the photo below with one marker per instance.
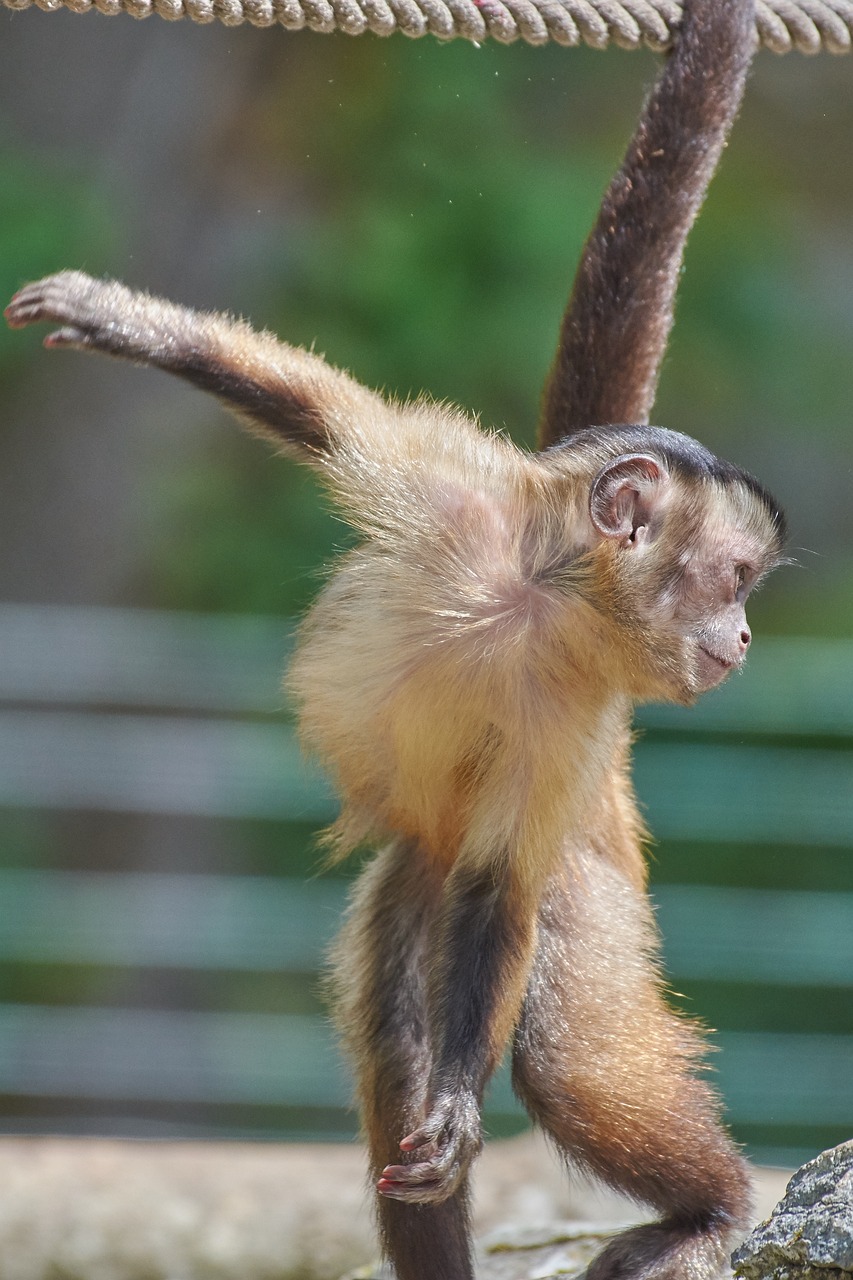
(131, 712)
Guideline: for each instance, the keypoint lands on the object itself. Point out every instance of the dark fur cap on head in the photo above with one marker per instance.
(681, 454)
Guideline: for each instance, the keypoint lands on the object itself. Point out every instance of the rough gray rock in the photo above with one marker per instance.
(809, 1235)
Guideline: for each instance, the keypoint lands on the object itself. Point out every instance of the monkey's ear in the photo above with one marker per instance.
(625, 495)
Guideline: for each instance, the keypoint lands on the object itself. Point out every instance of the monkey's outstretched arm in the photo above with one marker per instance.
(615, 330)
(284, 393)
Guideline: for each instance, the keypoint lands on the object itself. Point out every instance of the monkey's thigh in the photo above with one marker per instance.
(379, 981)
(602, 1063)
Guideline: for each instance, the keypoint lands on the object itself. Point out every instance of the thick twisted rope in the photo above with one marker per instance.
(781, 25)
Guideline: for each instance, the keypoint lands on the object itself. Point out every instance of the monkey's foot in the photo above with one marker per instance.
(92, 313)
(666, 1250)
(447, 1142)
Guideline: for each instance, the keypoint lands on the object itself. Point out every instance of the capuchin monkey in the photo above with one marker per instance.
(468, 677)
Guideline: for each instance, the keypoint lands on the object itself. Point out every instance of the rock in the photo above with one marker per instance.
(809, 1235)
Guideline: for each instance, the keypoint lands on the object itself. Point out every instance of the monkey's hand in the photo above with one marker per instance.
(444, 1145)
(91, 313)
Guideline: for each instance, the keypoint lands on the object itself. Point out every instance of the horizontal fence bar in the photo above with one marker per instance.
(774, 936)
(152, 658)
(746, 795)
(158, 764)
(142, 658)
(255, 923)
(148, 1055)
(224, 768)
(157, 1055)
(773, 1078)
(279, 924)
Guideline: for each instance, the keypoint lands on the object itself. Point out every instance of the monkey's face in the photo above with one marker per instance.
(709, 609)
(737, 542)
(696, 629)
(683, 556)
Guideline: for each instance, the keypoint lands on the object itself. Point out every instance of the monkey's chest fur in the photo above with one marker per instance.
(454, 732)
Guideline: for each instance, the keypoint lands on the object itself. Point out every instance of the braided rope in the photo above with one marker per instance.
(781, 25)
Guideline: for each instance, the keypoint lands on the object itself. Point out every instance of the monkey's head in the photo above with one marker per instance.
(677, 540)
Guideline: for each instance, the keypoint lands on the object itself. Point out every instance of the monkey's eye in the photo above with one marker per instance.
(740, 578)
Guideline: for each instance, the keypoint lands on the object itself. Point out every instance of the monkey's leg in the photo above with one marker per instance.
(608, 1071)
(286, 394)
(379, 982)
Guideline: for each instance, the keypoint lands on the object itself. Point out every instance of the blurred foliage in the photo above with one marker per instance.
(237, 531)
(49, 217)
(429, 203)
(438, 215)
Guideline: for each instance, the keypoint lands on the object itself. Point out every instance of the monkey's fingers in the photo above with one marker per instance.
(454, 1117)
(26, 307)
(427, 1191)
(421, 1137)
(55, 298)
(417, 1171)
(91, 313)
(447, 1142)
(67, 336)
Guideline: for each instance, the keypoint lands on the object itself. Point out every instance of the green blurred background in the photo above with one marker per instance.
(415, 210)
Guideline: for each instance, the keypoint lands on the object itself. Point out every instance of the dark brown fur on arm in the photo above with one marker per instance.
(615, 330)
(281, 392)
(481, 944)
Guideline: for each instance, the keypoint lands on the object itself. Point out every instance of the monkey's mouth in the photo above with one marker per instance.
(712, 668)
(715, 657)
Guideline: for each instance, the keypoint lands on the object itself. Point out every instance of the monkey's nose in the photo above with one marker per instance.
(745, 638)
